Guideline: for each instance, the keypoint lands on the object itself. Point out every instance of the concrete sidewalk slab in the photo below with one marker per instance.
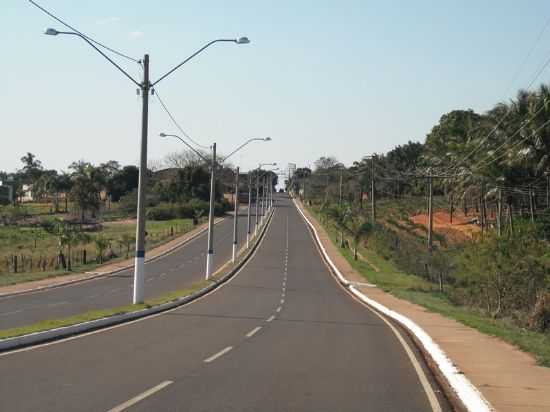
(507, 377)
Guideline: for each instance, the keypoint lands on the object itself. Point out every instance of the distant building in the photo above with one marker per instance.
(26, 195)
(6, 193)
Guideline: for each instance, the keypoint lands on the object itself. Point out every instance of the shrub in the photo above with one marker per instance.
(162, 212)
(539, 318)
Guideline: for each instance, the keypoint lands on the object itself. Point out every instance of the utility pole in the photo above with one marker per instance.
(499, 212)
(210, 252)
(340, 190)
(248, 212)
(482, 208)
(531, 205)
(373, 194)
(430, 213)
(139, 265)
(236, 216)
(451, 207)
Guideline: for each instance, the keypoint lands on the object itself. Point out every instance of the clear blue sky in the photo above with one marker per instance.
(341, 78)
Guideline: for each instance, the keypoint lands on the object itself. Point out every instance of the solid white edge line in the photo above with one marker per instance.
(432, 398)
(253, 331)
(469, 395)
(140, 397)
(217, 355)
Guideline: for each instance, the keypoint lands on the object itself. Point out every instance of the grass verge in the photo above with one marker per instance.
(417, 290)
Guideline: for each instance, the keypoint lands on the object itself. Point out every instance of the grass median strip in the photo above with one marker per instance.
(121, 310)
(100, 314)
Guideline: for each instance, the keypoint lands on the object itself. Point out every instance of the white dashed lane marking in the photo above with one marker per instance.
(217, 355)
(253, 332)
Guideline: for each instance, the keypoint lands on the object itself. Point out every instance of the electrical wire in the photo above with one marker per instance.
(489, 161)
(120, 54)
(482, 141)
(176, 122)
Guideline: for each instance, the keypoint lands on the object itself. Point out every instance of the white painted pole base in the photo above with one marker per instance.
(247, 240)
(209, 264)
(234, 253)
(139, 274)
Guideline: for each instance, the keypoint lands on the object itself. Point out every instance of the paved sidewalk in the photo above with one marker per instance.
(101, 270)
(507, 377)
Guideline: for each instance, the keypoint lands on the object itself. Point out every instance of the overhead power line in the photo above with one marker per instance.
(509, 111)
(120, 54)
(176, 122)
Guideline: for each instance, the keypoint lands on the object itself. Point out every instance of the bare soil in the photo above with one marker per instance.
(463, 227)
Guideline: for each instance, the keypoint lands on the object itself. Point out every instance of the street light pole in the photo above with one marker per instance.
(145, 87)
(257, 201)
(263, 199)
(236, 216)
(210, 251)
(248, 212)
(213, 161)
(139, 266)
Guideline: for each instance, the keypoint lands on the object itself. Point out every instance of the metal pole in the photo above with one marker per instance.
(430, 213)
(248, 212)
(210, 252)
(257, 201)
(263, 199)
(373, 195)
(271, 193)
(236, 216)
(139, 265)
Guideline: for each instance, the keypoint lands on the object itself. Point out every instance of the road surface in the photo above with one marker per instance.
(280, 336)
(174, 271)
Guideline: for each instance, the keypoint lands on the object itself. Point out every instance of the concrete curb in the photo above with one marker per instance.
(68, 331)
(112, 272)
(466, 392)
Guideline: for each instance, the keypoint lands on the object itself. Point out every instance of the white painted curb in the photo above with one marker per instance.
(72, 330)
(468, 394)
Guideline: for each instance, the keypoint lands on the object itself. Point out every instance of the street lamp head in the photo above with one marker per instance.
(267, 139)
(162, 134)
(51, 32)
(243, 40)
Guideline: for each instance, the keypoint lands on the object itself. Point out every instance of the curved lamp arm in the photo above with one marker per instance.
(265, 139)
(241, 40)
(188, 145)
(53, 32)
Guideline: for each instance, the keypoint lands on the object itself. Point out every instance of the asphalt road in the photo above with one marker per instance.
(280, 336)
(176, 270)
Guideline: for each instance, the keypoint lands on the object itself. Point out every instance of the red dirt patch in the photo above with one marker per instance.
(463, 227)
